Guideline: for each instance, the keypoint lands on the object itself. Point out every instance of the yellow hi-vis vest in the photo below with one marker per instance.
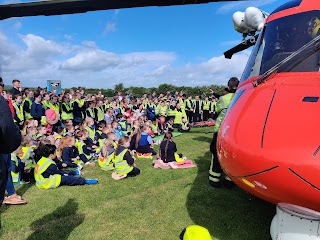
(106, 106)
(162, 110)
(46, 183)
(120, 165)
(15, 176)
(100, 114)
(19, 111)
(27, 115)
(222, 107)
(79, 145)
(206, 105)
(179, 116)
(65, 115)
(182, 103)
(213, 106)
(106, 163)
(189, 104)
(154, 128)
(171, 113)
(55, 107)
(26, 156)
(90, 113)
(46, 104)
(92, 132)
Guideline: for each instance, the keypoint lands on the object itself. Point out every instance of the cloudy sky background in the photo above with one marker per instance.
(138, 47)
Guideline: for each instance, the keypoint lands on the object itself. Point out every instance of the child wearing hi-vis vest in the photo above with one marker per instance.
(107, 153)
(86, 152)
(124, 165)
(17, 166)
(47, 174)
(70, 154)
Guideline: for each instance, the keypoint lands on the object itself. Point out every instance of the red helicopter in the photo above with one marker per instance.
(268, 141)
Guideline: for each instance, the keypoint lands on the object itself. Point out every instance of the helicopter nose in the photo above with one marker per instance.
(269, 144)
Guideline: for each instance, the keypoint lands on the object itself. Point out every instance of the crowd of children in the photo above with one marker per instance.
(64, 133)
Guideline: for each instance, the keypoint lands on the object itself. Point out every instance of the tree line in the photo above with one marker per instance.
(162, 88)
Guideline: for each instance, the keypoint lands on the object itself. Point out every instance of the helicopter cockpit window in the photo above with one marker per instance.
(281, 38)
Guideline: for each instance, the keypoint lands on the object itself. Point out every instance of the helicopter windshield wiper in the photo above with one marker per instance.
(307, 50)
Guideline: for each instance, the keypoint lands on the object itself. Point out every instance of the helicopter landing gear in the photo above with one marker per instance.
(293, 222)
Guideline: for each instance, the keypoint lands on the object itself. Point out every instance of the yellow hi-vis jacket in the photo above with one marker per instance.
(179, 116)
(121, 166)
(65, 115)
(92, 132)
(27, 115)
(46, 183)
(106, 163)
(100, 114)
(15, 176)
(19, 111)
(26, 156)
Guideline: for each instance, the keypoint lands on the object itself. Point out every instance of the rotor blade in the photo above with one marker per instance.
(241, 47)
(59, 7)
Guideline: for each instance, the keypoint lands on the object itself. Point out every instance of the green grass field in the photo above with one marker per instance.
(157, 204)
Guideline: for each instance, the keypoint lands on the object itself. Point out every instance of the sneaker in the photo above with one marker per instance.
(14, 199)
(90, 164)
(91, 181)
(80, 167)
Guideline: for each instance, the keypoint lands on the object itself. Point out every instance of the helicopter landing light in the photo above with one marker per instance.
(310, 99)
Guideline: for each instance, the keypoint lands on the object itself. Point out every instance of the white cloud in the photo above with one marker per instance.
(91, 44)
(242, 5)
(110, 27)
(17, 25)
(87, 65)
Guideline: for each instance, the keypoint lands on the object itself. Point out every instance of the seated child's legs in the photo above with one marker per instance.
(72, 181)
(135, 172)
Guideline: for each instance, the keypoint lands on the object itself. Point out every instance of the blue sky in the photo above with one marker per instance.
(182, 45)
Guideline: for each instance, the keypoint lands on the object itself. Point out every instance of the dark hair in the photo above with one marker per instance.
(46, 150)
(233, 83)
(36, 94)
(16, 96)
(167, 137)
(15, 80)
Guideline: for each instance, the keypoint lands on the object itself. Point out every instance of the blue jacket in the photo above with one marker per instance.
(37, 110)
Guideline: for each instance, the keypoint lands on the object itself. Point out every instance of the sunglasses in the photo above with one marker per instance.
(2, 85)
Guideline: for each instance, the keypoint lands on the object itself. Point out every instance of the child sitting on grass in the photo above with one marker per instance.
(168, 150)
(142, 142)
(123, 161)
(107, 153)
(48, 175)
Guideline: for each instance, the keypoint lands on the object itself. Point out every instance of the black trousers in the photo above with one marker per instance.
(215, 165)
(206, 115)
(72, 181)
(196, 117)
(135, 172)
(189, 116)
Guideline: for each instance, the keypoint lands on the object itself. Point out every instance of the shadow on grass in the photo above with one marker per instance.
(227, 214)
(205, 138)
(58, 224)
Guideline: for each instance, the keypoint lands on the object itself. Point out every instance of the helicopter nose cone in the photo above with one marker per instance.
(269, 142)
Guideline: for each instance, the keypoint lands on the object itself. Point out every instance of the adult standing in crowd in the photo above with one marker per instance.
(16, 89)
(10, 139)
